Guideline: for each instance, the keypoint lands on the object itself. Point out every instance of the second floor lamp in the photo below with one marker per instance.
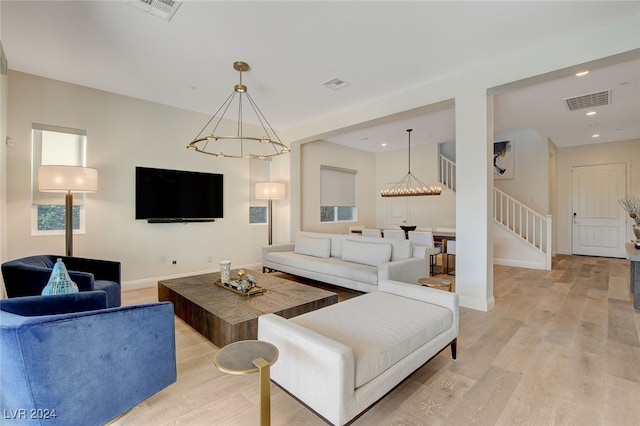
(270, 191)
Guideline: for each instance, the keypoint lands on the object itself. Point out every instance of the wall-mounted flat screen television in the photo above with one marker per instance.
(164, 196)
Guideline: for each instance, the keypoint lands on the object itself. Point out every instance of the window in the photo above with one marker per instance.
(337, 195)
(53, 145)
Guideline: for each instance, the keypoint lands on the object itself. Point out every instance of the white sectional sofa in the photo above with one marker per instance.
(346, 260)
(341, 359)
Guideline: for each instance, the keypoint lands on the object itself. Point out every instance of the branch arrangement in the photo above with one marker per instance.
(631, 205)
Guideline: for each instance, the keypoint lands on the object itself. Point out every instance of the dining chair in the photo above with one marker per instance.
(451, 251)
(371, 232)
(423, 245)
(395, 234)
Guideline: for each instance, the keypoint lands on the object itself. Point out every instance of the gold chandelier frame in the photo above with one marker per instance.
(205, 143)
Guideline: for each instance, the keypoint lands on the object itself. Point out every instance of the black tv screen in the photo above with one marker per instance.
(178, 196)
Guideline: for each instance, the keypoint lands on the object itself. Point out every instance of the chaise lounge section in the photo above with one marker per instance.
(341, 359)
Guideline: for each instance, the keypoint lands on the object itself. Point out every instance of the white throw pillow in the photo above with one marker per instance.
(317, 247)
(365, 253)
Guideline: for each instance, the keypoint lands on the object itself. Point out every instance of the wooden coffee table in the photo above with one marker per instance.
(225, 317)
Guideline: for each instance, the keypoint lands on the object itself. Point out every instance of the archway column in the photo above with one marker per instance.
(474, 181)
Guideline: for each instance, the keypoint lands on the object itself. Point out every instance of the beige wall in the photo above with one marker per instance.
(530, 184)
(313, 155)
(123, 133)
(432, 211)
(3, 167)
(627, 152)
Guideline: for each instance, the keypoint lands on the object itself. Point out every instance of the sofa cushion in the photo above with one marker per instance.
(400, 249)
(29, 306)
(381, 328)
(336, 240)
(318, 247)
(332, 266)
(366, 253)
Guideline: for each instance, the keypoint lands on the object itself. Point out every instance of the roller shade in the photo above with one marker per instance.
(337, 187)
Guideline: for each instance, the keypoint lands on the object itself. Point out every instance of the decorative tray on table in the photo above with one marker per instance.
(235, 285)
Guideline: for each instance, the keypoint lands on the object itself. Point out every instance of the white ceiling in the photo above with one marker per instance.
(379, 48)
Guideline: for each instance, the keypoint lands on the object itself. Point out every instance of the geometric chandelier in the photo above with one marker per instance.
(409, 185)
(235, 143)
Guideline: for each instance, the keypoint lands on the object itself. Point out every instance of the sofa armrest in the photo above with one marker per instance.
(328, 365)
(277, 247)
(418, 292)
(106, 270)
(55, 304)
(406, 270)
(46, 359)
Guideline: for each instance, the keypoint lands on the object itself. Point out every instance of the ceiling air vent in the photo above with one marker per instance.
(335, 84)
(590, 100)
(164, 9)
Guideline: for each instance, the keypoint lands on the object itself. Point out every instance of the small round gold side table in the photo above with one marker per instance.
(251, 356)
(435, 283)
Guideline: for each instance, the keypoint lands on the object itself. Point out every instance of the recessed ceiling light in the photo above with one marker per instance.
(595, 135)
(590, 113)
(581, 73)
(383, 144)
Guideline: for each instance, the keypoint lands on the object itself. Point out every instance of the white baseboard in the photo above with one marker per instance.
(477, 304)
(519, 263)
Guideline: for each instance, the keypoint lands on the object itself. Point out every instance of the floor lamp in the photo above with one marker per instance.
(67, 180)
(270, 191)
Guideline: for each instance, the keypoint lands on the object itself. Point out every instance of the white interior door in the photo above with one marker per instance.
(395, 212)
(598, 220)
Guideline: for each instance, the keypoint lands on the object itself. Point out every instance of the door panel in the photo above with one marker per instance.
(598, 220)
(395, 212)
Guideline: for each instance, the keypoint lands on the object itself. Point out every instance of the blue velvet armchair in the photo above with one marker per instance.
(66, 360)
(29, 275)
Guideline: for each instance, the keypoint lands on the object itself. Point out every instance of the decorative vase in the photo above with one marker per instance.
(59, 281)
(636, 231)
(225, 271)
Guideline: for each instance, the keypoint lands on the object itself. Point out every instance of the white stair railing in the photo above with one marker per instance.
(447, 173)
(529, 225)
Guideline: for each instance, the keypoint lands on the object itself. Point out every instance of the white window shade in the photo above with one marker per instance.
(337, 187)
(52, 145)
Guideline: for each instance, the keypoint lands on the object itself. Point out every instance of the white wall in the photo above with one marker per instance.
(530, 184)
(627, 152)
(322, 153)
(428, 211)
(3, 167)
(123, 133)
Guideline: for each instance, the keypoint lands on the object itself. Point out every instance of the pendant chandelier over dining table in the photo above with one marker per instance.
(410, 185)
(241, 144)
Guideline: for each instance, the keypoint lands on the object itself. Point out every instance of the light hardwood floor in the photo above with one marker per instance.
(560, 347)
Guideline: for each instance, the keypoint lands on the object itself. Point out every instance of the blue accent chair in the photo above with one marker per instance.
(68, 360)
(29, 275)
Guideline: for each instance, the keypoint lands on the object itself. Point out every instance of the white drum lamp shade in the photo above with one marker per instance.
(68, 180)
(269, 191)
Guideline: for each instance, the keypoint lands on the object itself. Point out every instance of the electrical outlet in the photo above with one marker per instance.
(174, 263)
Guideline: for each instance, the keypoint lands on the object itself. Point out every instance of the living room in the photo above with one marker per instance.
(125, 132)
(156, 138)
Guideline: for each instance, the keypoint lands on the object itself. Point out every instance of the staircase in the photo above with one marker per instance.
(516, 220)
